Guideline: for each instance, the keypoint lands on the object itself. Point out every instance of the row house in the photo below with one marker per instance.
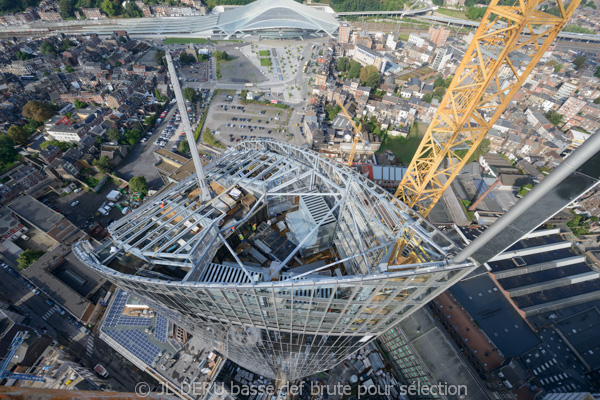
(18, 18)
(49, 14)
(86, 97)
(92, 13)
(571, 107)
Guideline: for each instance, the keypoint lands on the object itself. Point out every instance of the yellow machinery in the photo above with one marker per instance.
(357, 133)
(506, 47)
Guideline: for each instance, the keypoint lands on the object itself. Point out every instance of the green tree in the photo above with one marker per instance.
(79, 104)
(66, 44)
(439, 82)
(132, 136)
(365, 71)
(189, 94)
(558, 67)
(332, 111)
(104, 164)
(427, 98)
(132, 11)
(159, 57)
(113, 135)
(597, 72)
(138, 184)
(8, 153)
(21, 55)
(38, 111)
(354, 70)
(69, 68)
(66, 8)
(111, 8)
(554, 117)
(439, 92)
(48, 48)
(28, 257)
(597, 100)
(579, 62)
(343, 64)
(18, 134)
(221, 55)
(474, 13)
(186, 58)
(373, 80)
(184, 147)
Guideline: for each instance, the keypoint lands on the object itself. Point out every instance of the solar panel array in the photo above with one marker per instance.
(137, 343)
(160, 331)
(127, 330)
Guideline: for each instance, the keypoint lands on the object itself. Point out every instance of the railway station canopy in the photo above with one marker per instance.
(276, 18)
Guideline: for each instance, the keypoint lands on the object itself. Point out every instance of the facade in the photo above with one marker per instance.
(276, 19)
(286, 308)
(439, 36)
(92, 13)
(344, 34)
(366, 56)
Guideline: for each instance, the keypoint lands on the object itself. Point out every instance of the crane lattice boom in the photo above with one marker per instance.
(506, 47)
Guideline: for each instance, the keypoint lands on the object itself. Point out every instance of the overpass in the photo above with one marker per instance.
(401, 13)
(569, 36)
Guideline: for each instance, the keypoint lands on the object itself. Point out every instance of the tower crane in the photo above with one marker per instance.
(14, 346)
(506, 47)
(357, 132)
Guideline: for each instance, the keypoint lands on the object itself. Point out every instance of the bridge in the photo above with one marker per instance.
(569, 36)
(401, 13)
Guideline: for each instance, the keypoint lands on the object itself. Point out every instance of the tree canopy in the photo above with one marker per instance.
(221, 55)
(579, 62)
(48, 48)
(354, 70)
(138, 184)
(8, 153)
(373, 80)
(38, 111)
(132, 10)
(186, 58)
(189, 94)
(28, 257)
(365, 71)
(554, 117)
(113, 135)
(159, 57)
(104, 164)
(18, 134)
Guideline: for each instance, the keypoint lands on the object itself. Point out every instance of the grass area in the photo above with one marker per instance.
(264, 53)
(416, 73)
(265, 62)
(210, 139)
(404, 148)
(452, 13)
(403, 37)
(184, 40)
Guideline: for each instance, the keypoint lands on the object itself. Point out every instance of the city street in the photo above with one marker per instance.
(41, 314)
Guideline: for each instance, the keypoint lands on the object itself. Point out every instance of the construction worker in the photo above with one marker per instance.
(242, 238)
(254, 226)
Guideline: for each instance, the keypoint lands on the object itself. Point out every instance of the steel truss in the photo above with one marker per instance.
(506, 47)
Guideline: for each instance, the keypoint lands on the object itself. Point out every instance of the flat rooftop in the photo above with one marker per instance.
(492, 311)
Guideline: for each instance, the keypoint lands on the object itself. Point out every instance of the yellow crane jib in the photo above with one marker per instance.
(357, 132)
(505, 48)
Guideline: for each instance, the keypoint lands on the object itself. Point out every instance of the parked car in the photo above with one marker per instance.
(73, 204)
(49, 302)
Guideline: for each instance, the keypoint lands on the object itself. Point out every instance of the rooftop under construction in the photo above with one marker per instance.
(289, 241)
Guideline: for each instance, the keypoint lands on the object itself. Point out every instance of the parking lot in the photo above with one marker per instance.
(231, 121)
(85, 213)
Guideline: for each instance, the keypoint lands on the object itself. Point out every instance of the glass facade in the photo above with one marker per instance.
(286, 317)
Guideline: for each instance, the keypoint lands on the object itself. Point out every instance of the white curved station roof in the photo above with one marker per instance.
(276, 14)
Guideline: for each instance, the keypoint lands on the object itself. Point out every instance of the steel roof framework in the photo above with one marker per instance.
(300, 323)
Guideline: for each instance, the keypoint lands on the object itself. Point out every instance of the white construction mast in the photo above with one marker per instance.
(187, 127)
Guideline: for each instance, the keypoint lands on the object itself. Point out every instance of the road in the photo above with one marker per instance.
(41, 315)
(140, 160)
